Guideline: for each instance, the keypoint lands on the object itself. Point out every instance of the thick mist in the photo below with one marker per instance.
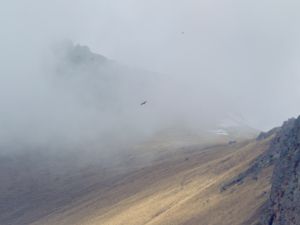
(194, 62)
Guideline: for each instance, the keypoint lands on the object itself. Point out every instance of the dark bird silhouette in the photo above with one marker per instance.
(144, 103)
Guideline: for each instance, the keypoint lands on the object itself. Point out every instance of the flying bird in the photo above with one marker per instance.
(144, 103)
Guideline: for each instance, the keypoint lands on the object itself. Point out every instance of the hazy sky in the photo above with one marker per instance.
(221, 56)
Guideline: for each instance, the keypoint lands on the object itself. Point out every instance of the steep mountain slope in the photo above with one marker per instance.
(178, 188)
(284, 202)
(283, 205)
(107, 162)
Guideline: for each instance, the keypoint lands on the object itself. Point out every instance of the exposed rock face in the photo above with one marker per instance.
(268, 158)
(264, 135)
(284, 203)
(283, 206)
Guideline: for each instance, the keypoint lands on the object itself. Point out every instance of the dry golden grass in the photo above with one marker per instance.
(184, 189)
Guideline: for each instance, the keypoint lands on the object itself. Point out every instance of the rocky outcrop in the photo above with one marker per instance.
(265, 135)
(268, 158)
(67, 52)
(284, 202)
(283, 206)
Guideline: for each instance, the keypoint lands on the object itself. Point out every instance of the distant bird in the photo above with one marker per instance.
(182, 32)
(144, 103)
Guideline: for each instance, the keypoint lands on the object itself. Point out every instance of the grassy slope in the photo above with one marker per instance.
(181, 189)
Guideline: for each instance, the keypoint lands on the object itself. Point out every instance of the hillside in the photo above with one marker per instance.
(180, 186)
(102, 158)
(127, 112)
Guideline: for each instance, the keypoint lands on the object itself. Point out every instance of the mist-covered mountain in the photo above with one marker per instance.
(100, 82)
(79, 99)
(150, 113)
(91, 153)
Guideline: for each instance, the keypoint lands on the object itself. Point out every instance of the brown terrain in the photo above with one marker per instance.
(181, 185)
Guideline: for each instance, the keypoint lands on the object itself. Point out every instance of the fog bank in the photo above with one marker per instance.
(196, 63)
